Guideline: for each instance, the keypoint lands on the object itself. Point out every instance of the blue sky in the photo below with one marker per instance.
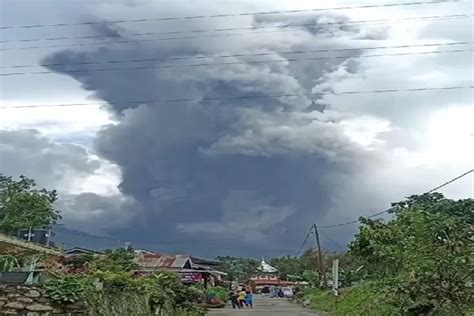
(250, 175)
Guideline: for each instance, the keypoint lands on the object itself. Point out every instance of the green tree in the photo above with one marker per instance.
(292, 268)
(238, 269)
(117, 260)
(437, 203)
(22, 205)
(423, 256)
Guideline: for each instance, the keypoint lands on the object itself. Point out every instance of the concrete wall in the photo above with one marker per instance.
(32, 301)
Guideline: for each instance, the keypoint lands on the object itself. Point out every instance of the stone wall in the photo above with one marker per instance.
(32, 301)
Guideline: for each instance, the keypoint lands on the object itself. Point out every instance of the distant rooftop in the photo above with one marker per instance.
(265, 267)
(10, 244)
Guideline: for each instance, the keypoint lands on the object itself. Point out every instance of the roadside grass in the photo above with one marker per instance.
(355, 301)
(364, 300)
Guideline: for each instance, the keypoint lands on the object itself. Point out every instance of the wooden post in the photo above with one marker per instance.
(322, 271)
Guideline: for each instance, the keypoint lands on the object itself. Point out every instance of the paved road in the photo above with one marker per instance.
(266, 307)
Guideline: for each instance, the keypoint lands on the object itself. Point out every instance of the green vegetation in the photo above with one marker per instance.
(303, 268)
(116, 260)
(220, 293)
(68, 289)
(105, 283)
(238, 269)
(294, 269)
(423, 257)
(355, 301)
(23, 206)
(8, 263)
(419, 262)
(110, 288)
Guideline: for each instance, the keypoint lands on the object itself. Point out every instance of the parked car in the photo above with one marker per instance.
(287, 292)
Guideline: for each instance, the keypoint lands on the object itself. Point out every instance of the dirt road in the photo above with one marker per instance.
(266, 307)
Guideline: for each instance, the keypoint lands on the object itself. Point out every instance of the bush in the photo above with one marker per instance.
(422, 258)
(123, 294)
(220, 293)
(66, 290)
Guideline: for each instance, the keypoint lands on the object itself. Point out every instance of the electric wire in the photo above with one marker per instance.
(388, 210)
(383, 5)
(252, 28)
(227, 63)
(304, 242)
(251, 97)
(327, 50)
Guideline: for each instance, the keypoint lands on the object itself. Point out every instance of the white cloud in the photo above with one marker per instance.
(87, 184)
(76, 124)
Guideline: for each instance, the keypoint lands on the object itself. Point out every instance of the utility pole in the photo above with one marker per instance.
(322, 273)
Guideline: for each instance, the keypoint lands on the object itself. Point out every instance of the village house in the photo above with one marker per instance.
(190, 269)
(269, 277)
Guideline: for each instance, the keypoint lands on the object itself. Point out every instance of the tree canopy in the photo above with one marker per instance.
(423, 256)
(22, 205)
(238, 269)
(117, 260)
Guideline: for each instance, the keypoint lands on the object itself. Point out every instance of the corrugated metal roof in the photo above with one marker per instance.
(163, 261)
(205, 262)
(13, 244)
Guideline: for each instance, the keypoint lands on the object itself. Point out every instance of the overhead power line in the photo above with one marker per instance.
(165, 38)
(304, 242)
(226, 63)
(243, 97)
(378, 213)
(235, 55)
(304, 25)
(388, 210)
(331, 240)
(194, 17)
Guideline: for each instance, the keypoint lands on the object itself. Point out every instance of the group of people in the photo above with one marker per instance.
(241, 298)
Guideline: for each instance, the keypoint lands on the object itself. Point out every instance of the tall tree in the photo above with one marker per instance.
(22, 205)
(424, 256)
(238, 269)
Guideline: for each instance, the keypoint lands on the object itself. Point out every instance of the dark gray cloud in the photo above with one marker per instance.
(253, 173)
(98, 213)
(252, 168)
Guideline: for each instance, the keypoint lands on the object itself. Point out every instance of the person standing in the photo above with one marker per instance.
(242, 296)
(249, 299)
(234, 299)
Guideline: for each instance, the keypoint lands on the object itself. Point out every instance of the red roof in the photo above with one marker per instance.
(152, 261)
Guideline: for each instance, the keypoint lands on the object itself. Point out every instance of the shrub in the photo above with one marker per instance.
(220, 293)
(66, 290)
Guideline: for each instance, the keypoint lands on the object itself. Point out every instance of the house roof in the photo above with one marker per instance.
(155, 261)
(13, 244)
(204, 262)
(142, 251)
(79, 250)
(265, 267)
